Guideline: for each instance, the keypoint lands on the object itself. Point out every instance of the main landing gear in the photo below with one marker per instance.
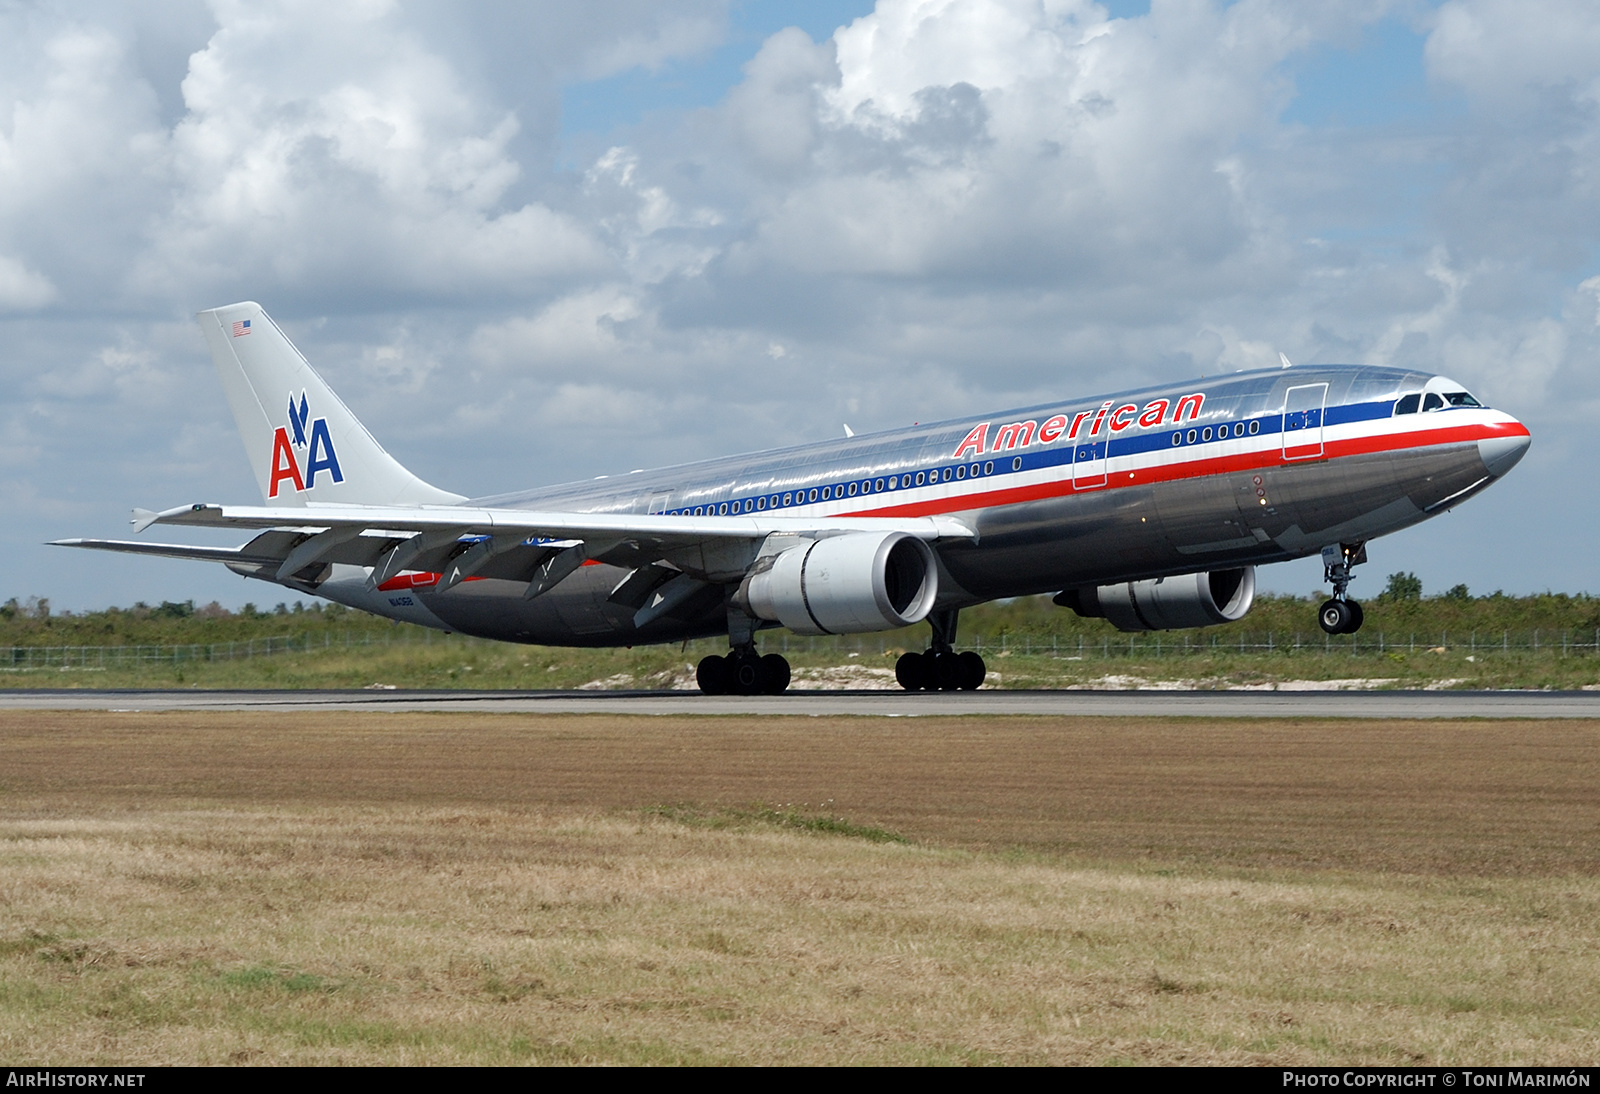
(1341, 615)
(941, 668)
(743, 672)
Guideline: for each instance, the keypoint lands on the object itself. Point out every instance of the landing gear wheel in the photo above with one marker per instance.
(744, 672)
(911, 671)
(944, 670)
(1357, 617)
(940, 670)
(972, 670)
(713, 676)
(1335, 617)
(774, 675)
(745, 669)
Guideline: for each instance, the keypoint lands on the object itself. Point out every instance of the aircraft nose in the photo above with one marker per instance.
(1500, 454)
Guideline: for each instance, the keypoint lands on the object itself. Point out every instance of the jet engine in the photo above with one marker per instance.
(1167, 603)
(861, 581)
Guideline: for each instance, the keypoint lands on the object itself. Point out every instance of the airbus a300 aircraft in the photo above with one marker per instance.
(1150, 508)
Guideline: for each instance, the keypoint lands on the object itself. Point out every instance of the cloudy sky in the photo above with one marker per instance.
(542, 241)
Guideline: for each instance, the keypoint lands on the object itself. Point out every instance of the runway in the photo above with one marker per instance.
(1133, 704)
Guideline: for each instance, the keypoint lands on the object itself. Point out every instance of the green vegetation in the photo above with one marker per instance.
(1452, 639)
(1405, 586)
(33, 623)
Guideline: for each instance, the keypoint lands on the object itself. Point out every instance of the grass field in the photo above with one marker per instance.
(372, 888)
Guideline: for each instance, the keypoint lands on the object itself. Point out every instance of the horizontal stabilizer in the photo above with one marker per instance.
(160, 550)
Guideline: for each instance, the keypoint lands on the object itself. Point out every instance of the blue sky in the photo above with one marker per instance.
(1378, 80)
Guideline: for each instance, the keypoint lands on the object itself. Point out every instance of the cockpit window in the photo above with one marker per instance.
(1439, 393)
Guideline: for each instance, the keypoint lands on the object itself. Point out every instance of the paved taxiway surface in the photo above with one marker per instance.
(1140, 704)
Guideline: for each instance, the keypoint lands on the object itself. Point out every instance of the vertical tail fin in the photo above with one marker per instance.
(304, 444)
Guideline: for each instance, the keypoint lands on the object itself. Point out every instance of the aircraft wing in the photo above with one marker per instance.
(539, 547)
(559, 525)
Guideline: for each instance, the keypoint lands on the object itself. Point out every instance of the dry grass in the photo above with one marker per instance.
(442, 888)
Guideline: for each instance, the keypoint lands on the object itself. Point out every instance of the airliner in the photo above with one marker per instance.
(1148, 508)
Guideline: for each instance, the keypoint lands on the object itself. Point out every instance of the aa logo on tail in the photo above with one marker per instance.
(319, 453)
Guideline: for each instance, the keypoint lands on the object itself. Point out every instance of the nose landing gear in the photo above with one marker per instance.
(1341, 615)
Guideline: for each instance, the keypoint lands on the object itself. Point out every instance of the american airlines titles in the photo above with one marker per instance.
(1024, 434)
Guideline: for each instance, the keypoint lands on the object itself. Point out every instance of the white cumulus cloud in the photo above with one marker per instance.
(943, 207)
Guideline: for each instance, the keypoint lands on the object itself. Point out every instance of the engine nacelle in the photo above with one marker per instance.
(1168, 603)
(862, 581)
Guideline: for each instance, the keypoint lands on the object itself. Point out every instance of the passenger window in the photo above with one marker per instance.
(1408, 403)
(1432, 402)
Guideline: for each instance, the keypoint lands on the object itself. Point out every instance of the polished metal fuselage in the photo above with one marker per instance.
(1264, 467)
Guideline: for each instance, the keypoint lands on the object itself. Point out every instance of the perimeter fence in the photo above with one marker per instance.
(1143, 646)
(134, 656)
(1156, 644)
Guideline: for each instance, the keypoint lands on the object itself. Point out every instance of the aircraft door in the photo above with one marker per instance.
(1089, 465)
(1302, 421)
(659, 503)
